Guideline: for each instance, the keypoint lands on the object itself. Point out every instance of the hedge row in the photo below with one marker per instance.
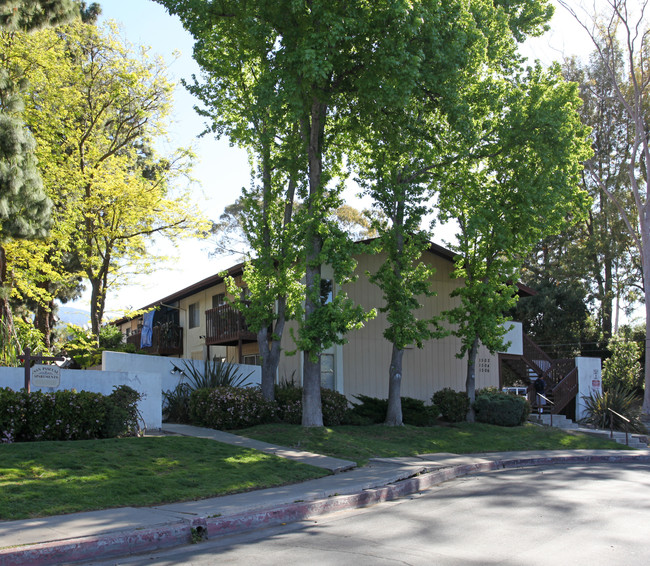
(230, 408)
(67, 415)
(372, 410)
(490, 406)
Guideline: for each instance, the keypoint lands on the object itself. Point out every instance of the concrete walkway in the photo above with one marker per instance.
(334, 465)
(123, 531)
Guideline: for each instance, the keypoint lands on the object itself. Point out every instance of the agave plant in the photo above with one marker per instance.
(215, 373)
(619, 399)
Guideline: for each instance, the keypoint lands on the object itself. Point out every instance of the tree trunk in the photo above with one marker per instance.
(6, 318)
(96, 310)
(470, 383)
(645, 257)
(270, 351)
(607, 299)
(394, 412)
(43, 319)
(312, 411)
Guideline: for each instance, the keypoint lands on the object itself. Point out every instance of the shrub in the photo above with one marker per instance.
(373, 410)
(623, 367)
(176, 404)
(453, 405)
(501, 409)
(110, 337)
(82, 347)
(215, 373)
(288, 397)
(67, 415)
(416, 413)
(335, 405)
(619, 399)
(125, 400)
(228, 408)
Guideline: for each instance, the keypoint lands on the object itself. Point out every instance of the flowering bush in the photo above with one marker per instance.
(228, 408)
(66, 415)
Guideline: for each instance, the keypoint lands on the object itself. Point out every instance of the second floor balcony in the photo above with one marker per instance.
(166, 340)
(226, 326)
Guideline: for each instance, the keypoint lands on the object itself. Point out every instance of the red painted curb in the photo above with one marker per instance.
(157, 538)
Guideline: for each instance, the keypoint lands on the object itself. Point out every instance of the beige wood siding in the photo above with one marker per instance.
(366, 356)
(193, 345)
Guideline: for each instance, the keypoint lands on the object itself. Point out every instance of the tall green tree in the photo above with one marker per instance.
(597, 252)
(405, 148)
(238, 92)
(621, 31)
(516, 180)
(322, 54)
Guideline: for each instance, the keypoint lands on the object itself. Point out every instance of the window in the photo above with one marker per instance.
(218, 300)
(253, 360)
(327, 371)
(194, 316)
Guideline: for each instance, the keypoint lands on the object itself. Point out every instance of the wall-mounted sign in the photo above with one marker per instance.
(46, 376)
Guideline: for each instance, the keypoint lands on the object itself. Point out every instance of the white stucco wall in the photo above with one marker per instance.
(515, 336)
(119, 361)
(589, 382)
(145, 383)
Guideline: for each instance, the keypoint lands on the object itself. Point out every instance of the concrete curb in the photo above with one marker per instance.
(179, 533)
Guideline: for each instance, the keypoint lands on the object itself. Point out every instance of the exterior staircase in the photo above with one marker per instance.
(639, 441)
(560, 376)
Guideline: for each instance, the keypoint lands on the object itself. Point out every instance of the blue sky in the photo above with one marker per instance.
(222, 170)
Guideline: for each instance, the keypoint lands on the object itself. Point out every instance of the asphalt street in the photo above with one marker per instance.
(596, 514)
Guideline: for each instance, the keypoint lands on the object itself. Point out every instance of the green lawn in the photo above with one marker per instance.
(359, 443)
(51, 478)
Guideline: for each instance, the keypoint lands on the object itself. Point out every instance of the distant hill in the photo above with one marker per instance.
(71, 315)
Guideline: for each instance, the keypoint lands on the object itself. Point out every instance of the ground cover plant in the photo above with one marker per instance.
(52, 478)
(359, 443)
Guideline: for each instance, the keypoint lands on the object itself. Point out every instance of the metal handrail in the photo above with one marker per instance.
(548, 401)
(611, 425)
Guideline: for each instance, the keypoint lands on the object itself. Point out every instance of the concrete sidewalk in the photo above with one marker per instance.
(118, 532)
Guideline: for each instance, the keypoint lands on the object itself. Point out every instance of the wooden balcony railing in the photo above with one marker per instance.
(225, 325)
(166, 340)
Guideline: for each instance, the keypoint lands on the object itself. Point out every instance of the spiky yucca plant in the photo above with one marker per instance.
(214, 373)
(619, 399)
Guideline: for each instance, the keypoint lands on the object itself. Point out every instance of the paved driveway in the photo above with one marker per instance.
(579, 515)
